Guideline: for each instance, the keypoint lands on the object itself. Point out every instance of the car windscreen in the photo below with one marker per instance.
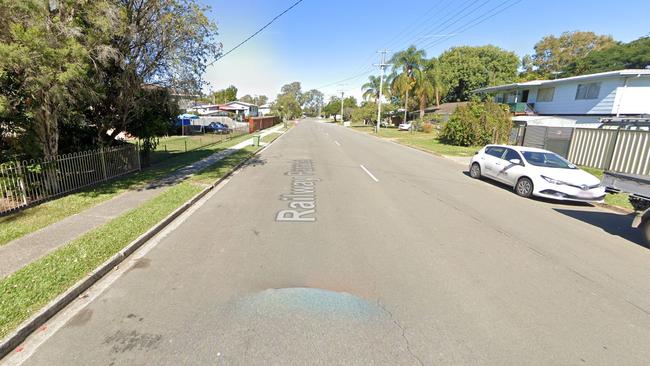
(547, 160)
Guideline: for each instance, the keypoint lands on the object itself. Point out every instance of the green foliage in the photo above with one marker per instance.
(333, 107)
(42, 62)
(225, 95)
(633, 55)
(85, 64)
(366, 113)
(555, 54)
(247, 99)
(467, 68)
(287, 104)
(371, 88)
(312, 102)
(477, 124)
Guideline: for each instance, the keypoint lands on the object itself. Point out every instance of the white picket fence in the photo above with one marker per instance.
(24, 183)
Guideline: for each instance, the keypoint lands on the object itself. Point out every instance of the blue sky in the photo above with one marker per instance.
(321, 42)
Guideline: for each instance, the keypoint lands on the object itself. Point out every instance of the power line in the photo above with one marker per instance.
(450, 15)
(365, 72)
(257, 32)
(478, 20)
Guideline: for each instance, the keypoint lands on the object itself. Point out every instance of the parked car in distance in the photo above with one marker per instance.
(536, 172)
(404, 126)
(216, 127)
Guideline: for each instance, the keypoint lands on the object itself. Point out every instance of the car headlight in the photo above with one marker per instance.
(552, 181)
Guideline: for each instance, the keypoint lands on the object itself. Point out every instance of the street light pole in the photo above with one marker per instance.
(382, 65)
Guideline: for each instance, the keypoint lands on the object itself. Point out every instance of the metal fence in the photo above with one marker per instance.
(24, 183)
(624, 151)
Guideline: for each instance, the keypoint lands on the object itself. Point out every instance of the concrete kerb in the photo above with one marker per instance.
(32, 324)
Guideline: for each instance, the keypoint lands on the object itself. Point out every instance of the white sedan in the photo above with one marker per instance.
(536, 172)
(404, 126)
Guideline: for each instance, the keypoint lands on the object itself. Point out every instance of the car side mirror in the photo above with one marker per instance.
(515, 161)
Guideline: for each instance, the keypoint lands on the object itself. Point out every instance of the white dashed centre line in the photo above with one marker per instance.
(370, 174)
(337, 143)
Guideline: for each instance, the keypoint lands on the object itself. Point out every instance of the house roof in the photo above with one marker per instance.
(242, 103)
(445, 108)
(601, 75)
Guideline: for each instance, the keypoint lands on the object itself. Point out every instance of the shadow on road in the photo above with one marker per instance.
(613, 223)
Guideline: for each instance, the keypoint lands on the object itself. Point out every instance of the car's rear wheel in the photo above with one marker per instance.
(645, 229)
(475, 171)
(524, 187)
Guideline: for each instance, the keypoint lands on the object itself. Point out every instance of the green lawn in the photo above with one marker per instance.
(620, 199)
(421, 140)
(173, 145)
(23, 222)
(26, 291)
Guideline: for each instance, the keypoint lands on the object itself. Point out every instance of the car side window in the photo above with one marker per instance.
(511, 154)
(496, 151)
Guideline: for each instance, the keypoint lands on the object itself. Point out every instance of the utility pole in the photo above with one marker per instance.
(382, 66)
(342, 93)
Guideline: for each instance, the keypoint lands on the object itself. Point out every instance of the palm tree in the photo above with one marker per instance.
(371, 88)
(409, 61)
(428, 84)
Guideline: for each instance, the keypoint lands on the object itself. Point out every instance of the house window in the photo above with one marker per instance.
(545, 94)
(588, 91)
(499, 98)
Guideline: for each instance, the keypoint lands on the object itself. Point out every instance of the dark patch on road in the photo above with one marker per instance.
(257, 233)
(125, 341)
(81, 318)
(141, 263)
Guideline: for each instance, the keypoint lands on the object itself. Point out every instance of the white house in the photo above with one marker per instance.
(247, 109)
(579, 101)
(264, 110)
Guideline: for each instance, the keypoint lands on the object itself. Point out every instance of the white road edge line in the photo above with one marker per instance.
(368, 172)
(336, 142)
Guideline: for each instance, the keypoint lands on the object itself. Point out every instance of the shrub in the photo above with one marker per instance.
(477, 124)
(427, 127)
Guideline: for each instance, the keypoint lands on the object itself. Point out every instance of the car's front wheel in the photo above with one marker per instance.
(524, 187)
(475, 171)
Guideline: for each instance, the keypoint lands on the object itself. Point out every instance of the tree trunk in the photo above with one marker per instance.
(406, 105)
(47, 127)
(437, 98)
(423, 105)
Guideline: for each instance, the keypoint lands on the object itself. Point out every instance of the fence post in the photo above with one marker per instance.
(185, 141)
(137, 153)
(610, 158)
(103, 159)
(21, 183)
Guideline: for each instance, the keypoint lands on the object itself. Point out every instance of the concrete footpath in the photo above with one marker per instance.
(24, 250)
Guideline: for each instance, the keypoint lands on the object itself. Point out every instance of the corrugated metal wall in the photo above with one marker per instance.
(632, 153)
(556, 139)
(535, 136)
(618, 150)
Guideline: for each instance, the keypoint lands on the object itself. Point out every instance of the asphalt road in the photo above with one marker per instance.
(408, 261)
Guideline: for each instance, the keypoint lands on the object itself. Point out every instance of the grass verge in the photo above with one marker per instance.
(18, 224)
(618, 199)
(29, 289)
(421, 140)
